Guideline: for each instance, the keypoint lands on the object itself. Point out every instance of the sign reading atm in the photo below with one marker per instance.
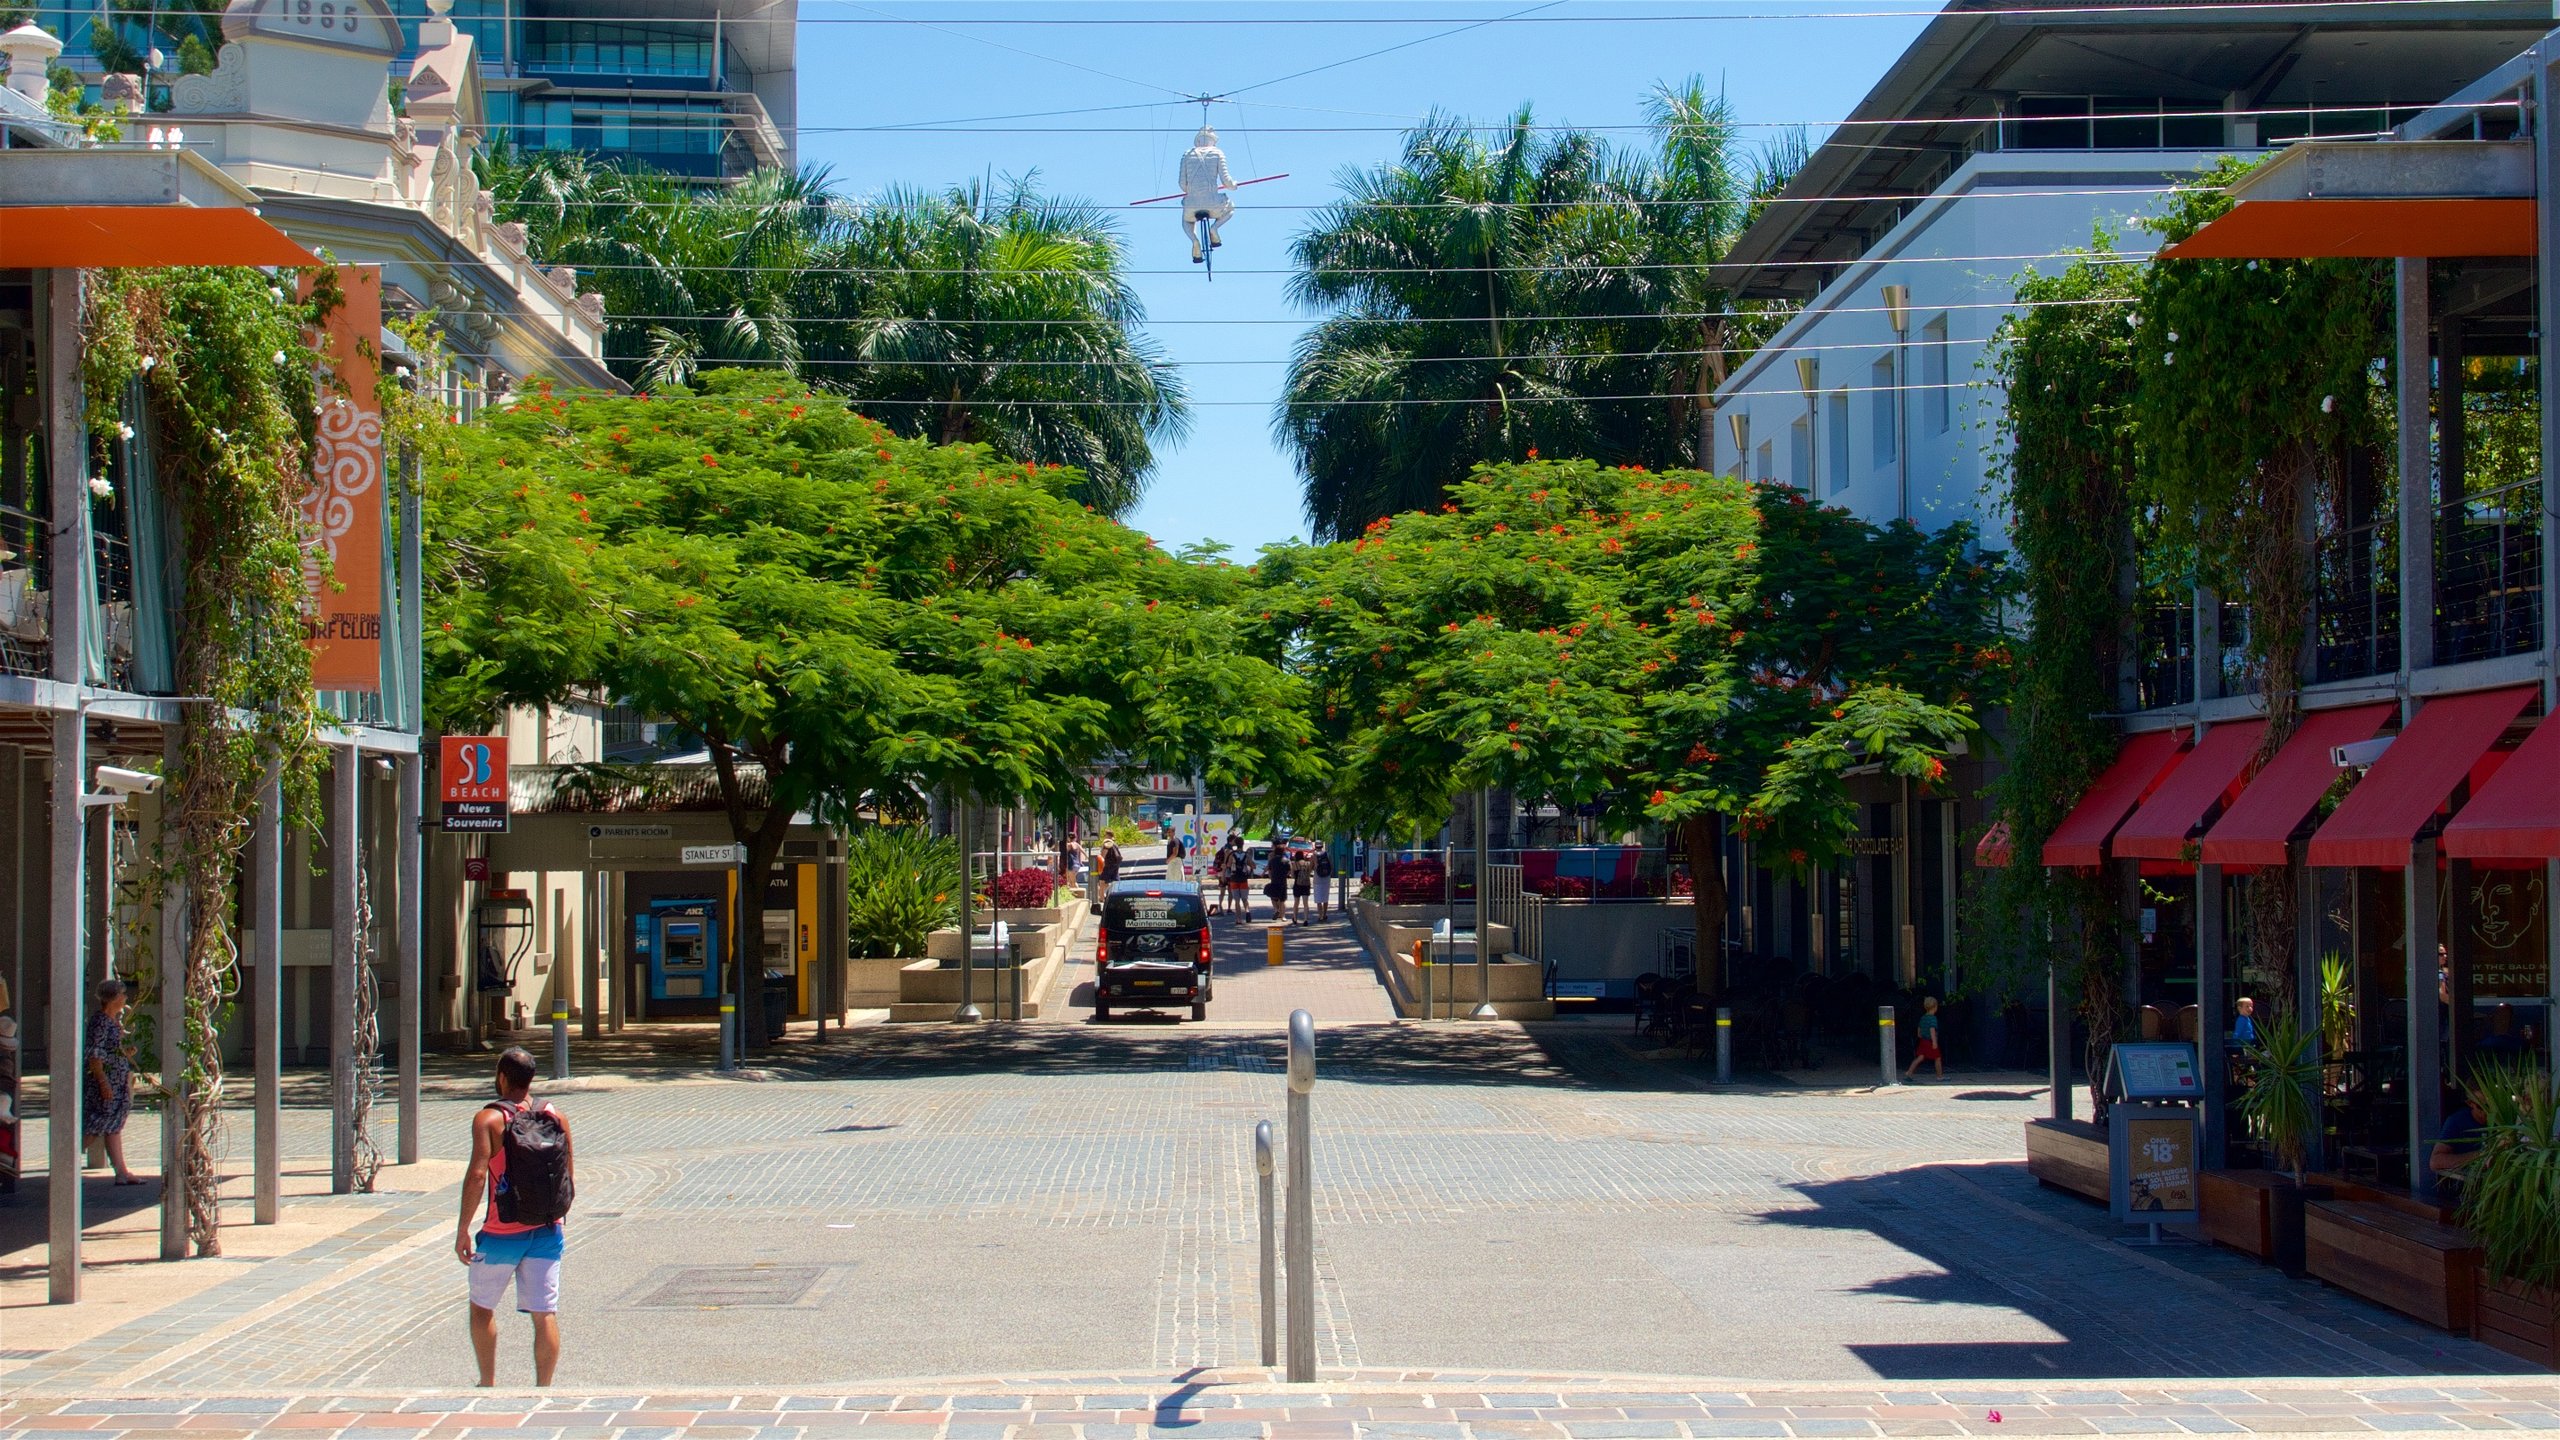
(473, 772)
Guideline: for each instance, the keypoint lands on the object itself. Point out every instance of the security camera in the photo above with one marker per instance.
(2360, 755)
(127, 782)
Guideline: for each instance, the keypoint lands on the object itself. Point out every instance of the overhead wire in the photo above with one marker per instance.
(1918, 10)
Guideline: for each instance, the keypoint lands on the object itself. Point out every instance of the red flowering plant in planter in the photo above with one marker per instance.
(1416, 882)
(1027, 888)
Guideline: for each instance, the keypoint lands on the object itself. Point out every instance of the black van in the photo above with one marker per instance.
(1151, 951)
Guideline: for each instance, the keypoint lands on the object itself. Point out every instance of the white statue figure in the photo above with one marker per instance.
(1205, 183)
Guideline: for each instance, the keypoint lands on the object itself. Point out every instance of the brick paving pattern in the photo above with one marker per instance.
(1378, 1405)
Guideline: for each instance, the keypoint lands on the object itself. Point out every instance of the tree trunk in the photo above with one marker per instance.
(764, 842)
(1699, 835)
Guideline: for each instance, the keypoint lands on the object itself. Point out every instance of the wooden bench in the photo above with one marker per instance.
(2239, 1209)
(2069, 1155)
(2416, 1266)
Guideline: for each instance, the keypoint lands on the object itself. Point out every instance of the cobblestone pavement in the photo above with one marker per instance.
(1383, 1405)
(1077, 1199)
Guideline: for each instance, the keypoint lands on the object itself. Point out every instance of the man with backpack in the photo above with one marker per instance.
(522, 1166)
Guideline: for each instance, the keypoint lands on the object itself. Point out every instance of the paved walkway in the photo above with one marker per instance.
(1324, 972)
(1051, 1199)
(1247, 1405)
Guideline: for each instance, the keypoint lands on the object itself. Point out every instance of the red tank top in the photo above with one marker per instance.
(508, 1110)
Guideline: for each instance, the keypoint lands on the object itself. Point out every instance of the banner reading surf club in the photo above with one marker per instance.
(342, 599)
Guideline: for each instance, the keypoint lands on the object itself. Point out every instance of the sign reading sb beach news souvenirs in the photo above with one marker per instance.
(473, 771)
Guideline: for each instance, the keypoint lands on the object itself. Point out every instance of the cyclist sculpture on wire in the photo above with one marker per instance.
(1205, 183)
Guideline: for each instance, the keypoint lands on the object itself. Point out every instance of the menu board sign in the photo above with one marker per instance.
(2151, 1160)
(2153, 1070)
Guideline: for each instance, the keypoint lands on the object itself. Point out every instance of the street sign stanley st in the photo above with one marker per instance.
(473, 773)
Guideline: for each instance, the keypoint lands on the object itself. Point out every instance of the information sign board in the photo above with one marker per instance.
(2153, 1070)
(471, 773)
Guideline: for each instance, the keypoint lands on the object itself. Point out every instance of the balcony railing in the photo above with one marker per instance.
(26, 594)
(2489, 574)
(2355, 614)
(2165, 670)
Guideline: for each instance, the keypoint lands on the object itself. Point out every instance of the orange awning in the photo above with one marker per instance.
(2380, 818)
(2516, 815)
(2081, 838)
(2363, 229)
(80, 237)
(2191, 795)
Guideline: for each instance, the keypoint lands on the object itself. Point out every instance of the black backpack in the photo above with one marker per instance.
(536, 1188)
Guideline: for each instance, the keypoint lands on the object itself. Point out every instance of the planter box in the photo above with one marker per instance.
(2260, 1213)
(2418, 1267)
(2522, 1320)
(872, 984)
(2069, 1155)
(1519, 989)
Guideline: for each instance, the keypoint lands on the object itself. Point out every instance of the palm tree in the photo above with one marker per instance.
(998, 315)
(1475, 277)
(993, 315)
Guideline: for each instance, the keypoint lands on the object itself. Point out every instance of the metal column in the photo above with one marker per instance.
(2212, 949)
(66, 451)
(1484, 910)
(409, 924)
(346, 947)
(2415, 392)
(172, 945)
(266, 998)
(2426, 1080)
(2546, 220)
(1302, 1199)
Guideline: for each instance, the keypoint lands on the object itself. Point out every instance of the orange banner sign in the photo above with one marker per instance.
(342, 606)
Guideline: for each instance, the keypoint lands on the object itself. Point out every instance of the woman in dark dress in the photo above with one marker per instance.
(109, 1093)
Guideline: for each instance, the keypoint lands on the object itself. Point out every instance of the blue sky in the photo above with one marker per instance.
(1228, 481)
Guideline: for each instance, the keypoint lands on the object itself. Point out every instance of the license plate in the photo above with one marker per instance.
(1143, 984)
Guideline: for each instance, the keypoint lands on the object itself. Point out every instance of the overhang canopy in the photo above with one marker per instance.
(2081, 838)
(1991, 852)
(83, 237)
(2258, 827)
(2377, 200)
(2189, 796)
(2516, 815)
(2382, 816)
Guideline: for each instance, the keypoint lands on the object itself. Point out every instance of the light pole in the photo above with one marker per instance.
(1740, 424)
(1897, 312)
(1484, 910)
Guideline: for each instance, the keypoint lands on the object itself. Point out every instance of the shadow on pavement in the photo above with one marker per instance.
(1992, 1238)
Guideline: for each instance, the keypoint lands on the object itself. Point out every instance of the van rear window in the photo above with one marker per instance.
(1154, 912)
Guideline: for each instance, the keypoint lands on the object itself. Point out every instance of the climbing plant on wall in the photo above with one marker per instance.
(229, 395)
(2067, 458)
(2256, 379)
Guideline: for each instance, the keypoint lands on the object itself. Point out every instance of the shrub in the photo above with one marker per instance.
(1028, 888)
(2511, 1189)
(901, 885)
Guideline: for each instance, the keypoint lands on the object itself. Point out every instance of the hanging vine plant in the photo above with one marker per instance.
(230, 397)
(2256, 380)
(2067, 457)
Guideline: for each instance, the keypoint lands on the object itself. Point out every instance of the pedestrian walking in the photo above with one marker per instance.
(1302, 884)
(1110, 861)
(1928, 1049)
(1075, 859)
(523, 1167)
(108, 1096)
(1324, 881)
(1277, 886)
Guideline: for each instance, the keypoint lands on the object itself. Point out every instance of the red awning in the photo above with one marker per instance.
(2516, 815)
(2258, 827)
(82, 237)
(2364, 228)
(2188, 797)
(2404, 789)
(1991, 852)
(2081, 838)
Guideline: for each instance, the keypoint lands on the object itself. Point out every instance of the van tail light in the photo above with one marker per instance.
(1205, 959)
(1102, 947)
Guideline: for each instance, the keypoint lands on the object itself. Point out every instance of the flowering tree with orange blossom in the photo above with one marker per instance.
(1683, 649)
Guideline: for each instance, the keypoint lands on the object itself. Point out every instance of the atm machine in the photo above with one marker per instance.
(681, 940)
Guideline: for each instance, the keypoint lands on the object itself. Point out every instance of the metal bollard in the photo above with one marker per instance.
(1884, 1044)
(1724, 1045)
(1263, 1183)
(1272, 946)
(728, 1034)
(559, 1038)
(1422, 962)
(1302, 1201)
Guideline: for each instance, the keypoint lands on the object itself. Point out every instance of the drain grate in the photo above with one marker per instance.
(725, 1287)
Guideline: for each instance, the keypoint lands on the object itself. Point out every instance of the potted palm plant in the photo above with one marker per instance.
(2283, 1113)
(2511, 1205)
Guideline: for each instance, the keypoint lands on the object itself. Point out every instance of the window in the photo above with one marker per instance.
(1934, 402)
(1835, 440)
(1768, 468)
(1885, 410)
(1800, 455)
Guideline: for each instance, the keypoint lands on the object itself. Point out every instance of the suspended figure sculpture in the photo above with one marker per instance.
(1205, 183)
